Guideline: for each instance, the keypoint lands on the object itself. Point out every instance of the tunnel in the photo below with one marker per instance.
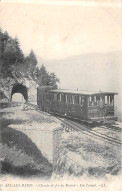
(19, 88)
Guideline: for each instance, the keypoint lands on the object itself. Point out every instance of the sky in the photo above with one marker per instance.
(57, 30)
(81, 40)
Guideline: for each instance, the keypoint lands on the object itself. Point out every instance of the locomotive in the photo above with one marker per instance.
(85, 106)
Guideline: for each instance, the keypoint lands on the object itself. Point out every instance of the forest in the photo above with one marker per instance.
(14, 62)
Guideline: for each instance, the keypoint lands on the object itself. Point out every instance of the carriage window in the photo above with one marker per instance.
(66, 98)
(111, 100)
(98, 99)
(69, 98)
(73, 100)
(101, 98)
(80, 102)
(76, 99)
(106, 100)
(90, 101)
(60, 97)
(55, 96)
(95, 100)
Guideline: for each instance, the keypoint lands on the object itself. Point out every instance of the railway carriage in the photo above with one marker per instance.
(88, 107)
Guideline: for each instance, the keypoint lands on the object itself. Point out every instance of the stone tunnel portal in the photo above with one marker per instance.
(19, 88)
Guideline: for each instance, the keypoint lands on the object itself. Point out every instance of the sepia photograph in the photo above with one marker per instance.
(61, 95)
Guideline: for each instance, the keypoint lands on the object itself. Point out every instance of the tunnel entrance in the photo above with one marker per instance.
(17, 97)
(19, 88)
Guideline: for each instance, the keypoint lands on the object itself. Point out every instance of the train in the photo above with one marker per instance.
(85, 106)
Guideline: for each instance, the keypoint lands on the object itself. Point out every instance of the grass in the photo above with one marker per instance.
(80, 155)
(21, 156)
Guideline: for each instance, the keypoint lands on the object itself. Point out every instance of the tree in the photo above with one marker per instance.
(53, 80)
(1, 35)
(19, 53)
(11, 55)
(42, 76)
(31, 59)
(4, 39)
(31, 62)
(14, 63)
(46, 78)
(12, 52)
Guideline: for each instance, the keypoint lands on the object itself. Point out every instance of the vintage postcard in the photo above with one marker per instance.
(61, 95)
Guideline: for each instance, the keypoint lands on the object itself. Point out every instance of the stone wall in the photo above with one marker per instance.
(6, 85)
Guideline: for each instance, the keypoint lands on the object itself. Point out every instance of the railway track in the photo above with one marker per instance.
(114, 128)
(74, 125)
(87, 131)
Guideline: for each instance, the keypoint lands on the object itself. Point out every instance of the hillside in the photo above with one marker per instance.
(18, 69)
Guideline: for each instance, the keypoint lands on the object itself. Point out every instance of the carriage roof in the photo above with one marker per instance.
(83, 92)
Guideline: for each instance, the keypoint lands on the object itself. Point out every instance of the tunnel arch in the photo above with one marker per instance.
(19, 88)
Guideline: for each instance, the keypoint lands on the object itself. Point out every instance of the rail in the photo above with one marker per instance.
(74, 125)
(85, 130)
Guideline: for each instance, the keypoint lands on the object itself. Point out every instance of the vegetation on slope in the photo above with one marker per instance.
(13, 62)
